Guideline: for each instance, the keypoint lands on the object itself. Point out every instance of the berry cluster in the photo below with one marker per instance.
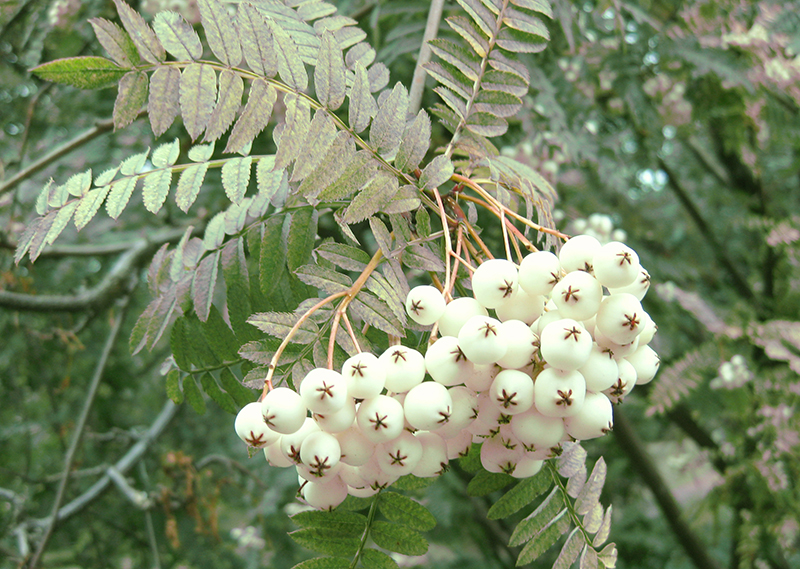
(567, 339)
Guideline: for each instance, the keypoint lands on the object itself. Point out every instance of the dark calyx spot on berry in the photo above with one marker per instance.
(645, 279)
(474, 413)
(555, 279)
(445, 416)
(587, 267)
(378, 422)
(324, 391)
(488, 328)
(493, 432)
(625, 257)
(506, 399)
(398, 458)
(358, 368)
(398, 355)
(294, 454)
(504, 419)
(507, 288)
(565, 397)
(609, 352)
(571, 294)
(255, 440)
(508, 443)
(300, 490)
(318, 467)
(618, 389)
(508, 468)
(268, 420)
(416, 306)
(631, 321)
(443, 468)
(459, 354)
(529, 448)
(573, 333)
(607, 429)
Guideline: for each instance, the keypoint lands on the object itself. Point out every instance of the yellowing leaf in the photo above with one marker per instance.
(177, 36)
(87, 72)
(131, 97)
(164, 101)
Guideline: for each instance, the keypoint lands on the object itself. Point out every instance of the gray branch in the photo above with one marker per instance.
(424, 56)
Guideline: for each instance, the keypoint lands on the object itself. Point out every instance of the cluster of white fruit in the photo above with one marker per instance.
(732, 374)
(569, 338)
(598, 225)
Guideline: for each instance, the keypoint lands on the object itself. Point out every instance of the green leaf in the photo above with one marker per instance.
(89, 205)
(295, 131)
(588, 558)
(593, 519)
(455, 55)
(220, 337)
(221, 34)
(449, 76)
(538, 520)
(322, 541)
(321, 136)
(229, 99)
(177, 36)
(371, 198)
(272, 256)
(390, 122)
(256, 39)
(179, 344)
(273, 184)
(327, 280)
(339, 156)
(605, 529)
(344, 256)
(524, 22)
(60, 221)
(120, 194)
(406, 199)
(520, 495)
(362, 104)
(197, 95)
(279, 324)
(500, 103)
(521, 42)
(404, 510)
(340, 524)
(156, 188)
(302, 234)
(358, 173)
(506, 82)
(486, 124)
(470, 31)
(193, 395)
(608, 556)
(382, 236)
(376, 313)
(375, 559)
(456, 103)
(219, 397)
(116, 42)
(541, 6)
(236, 177)
(254, 117)
(241, 395)
(323, 563)
(173, 386)
(545, 539)
(590, 494)
(150, 49)
(203, 283)
(329, 77)
(486, 482)
(397, 538)
(290, 65)
(414, 144)
(87, 72)
(436, 173)
(166, 154)
(163, 104)
(189, 185)
(571, 550)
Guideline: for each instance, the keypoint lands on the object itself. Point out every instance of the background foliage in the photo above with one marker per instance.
(678, 119)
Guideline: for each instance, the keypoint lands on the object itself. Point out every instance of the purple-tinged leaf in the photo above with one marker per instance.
(588, 558)
(131, 97)
(156, 275)
(471, 33)
(321, 135)
(486, 124)
(145, 40)
(329, 77)
(279, 324)
(87, 72)
(234, 265)
(256, 39)
(362, 104)
(571, 460)
(24, 243)
(223, 39)
(295, 132)
(116, 42)
(164, 101)
(177, 36)
(203, 283)
(236, 177)
(538, 519)
(571, 550)
(590, 494)
(138, 338)
(162, 314)
(254, 117)
(605, 529)
(198, 93)
(390, 122)
(576, 482)
(290, 65)
(229, 99)
(324, 279)
(376, 313)
(415, 143)
(336, 160)
(371, 198)
(436, 173)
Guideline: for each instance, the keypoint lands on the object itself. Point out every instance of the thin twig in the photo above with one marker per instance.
(640, 460)
(424, 56)
(79, 428)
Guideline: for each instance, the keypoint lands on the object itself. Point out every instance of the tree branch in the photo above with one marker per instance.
(720, 252)
(632, 446)
(99, 296)
(79, 427)
(424, 56)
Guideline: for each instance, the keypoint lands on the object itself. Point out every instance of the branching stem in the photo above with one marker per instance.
(373, 509)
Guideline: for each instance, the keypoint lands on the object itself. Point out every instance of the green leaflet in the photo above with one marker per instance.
(362, 105)
(203, 284)
(520, 495)
(371, 198)
(89, 205)
(189, 185)
(324, 563)
(240, 394)
(336, 160)
(398, 538)
(220, 337)
(357, 174)
(163, 104)
(272, 256)
(485, 482)
(146, 42)
(156, 188)
(605, 529)
(545, 539)
(345, 256)
(325, 541)
(294, 132)
(375, 312)
(256, 39)
(290, 64)
(486, 124)
(193, 395)
(278, 324)
(254, 117)
(322, 132)
(326, 280)
(116, 42)
(219, 397)
(172, 385)
(436, 173)
(120, 193)
(82, 72)
(177, 36)
(375, 559)
(414, 144)
(538, 520)
(390, 122)
(571, 550)
(404, 510)
(236, 177)
(198, 92)
(346, 524)
(223, 39)
(229, 99)
(131, 97)
(301, 237)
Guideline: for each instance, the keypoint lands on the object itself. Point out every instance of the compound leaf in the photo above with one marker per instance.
(520, 495)
(404, 510)
(256, 39)
(254, 117)
(398, 538)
